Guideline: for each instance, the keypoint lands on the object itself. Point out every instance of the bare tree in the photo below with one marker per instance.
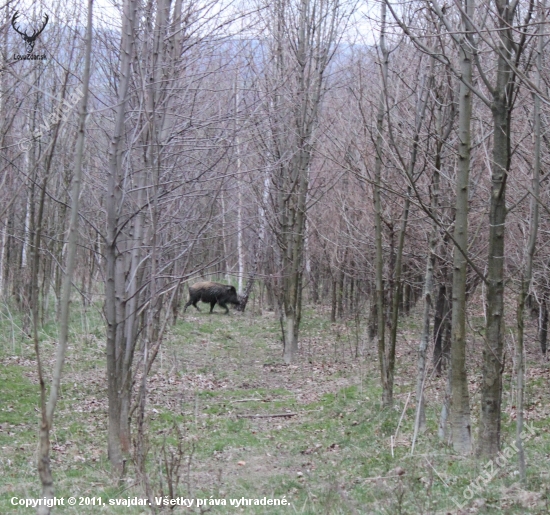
(47, 421)
(531, 243)
(503, 93)
(303, 37)
(118, 443)
(460, 399)
(380, 318)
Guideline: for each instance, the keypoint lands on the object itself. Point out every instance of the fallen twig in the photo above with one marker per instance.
(377, 478)
(250, 400)
(272, 415)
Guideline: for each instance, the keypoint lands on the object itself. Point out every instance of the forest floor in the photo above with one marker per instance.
(227, 420)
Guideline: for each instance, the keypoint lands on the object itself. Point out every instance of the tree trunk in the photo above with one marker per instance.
(259, 247)
(44, 449)
(440, 313)
(240, 249)
(491, 386)
(340, 294)
(113, 289)
(37, 225)
(543, 326)
(379, 273)
(443, 432)
(460, 399)
(530, 249)
(398, 282)
(420, 421)
(333, 302)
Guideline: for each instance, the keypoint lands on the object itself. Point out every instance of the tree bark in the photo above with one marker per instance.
(379, 272)
(543, 326)
(530, 248)
(47, 424)
(460, 399)
(113, 290)
(420, 421)
(491, 387)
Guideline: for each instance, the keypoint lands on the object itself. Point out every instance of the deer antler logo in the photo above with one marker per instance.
(29, 39)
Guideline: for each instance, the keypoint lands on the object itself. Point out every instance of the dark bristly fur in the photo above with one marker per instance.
(212, 293)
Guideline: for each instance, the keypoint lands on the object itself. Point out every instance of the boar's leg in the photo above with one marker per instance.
(212, 304)
(224, 305)
(189, 302)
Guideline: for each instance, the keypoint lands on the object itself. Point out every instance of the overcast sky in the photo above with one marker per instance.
(107, 13)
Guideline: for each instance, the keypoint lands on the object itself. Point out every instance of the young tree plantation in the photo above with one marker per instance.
(361, 185)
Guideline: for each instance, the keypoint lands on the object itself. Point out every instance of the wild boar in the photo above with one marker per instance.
(213, 293)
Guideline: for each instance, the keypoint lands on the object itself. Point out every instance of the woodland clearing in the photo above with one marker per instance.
(229, 420)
